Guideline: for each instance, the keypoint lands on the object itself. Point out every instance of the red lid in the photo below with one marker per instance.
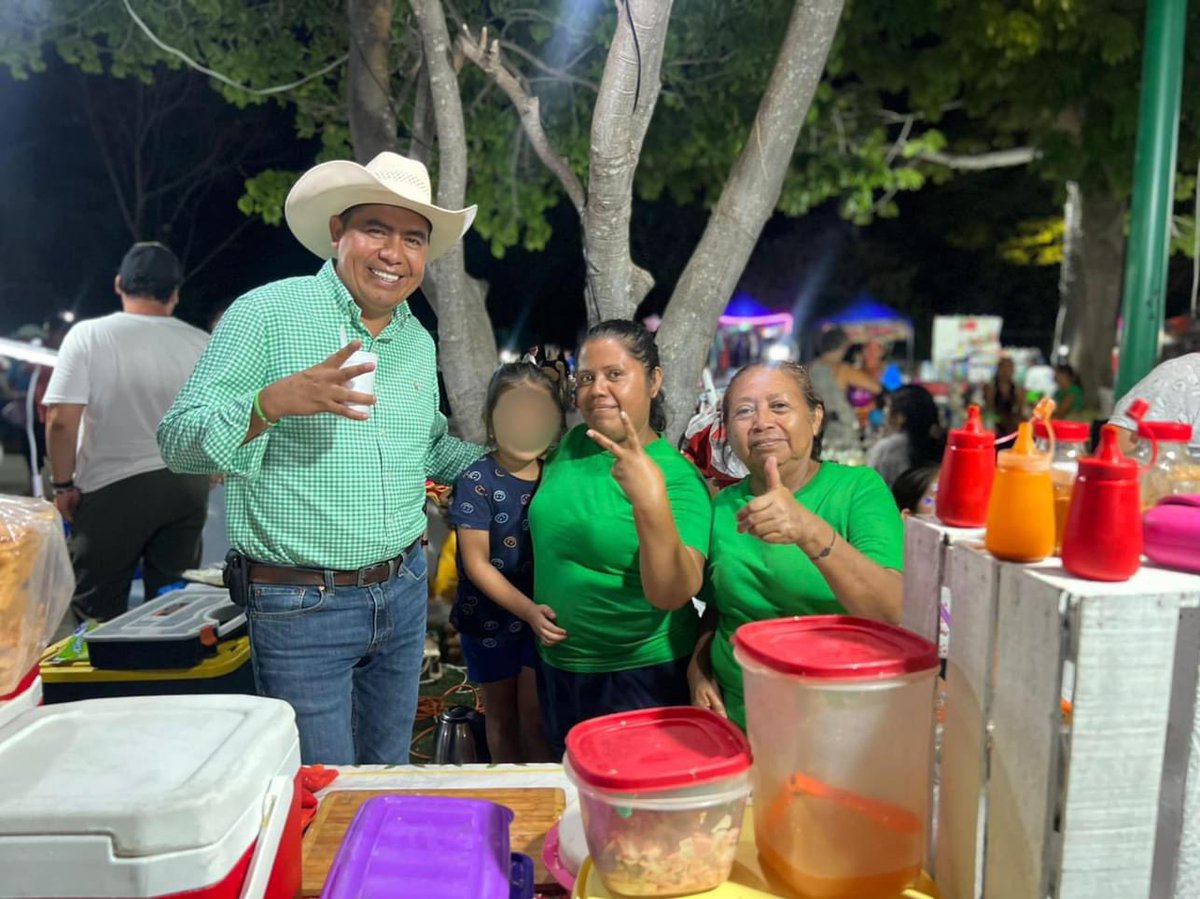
(1166, 431)
(1064, 431)
(657, 749)
(973, 434)
(1108, 464)
(835, 646)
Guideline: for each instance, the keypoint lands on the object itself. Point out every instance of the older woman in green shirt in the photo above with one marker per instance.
(797, 537)
(620, 526)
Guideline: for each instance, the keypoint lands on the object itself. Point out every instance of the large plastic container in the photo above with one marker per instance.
(663, 793)
(840, 716)
(424, 846)
(151, 797)
(1172, 470)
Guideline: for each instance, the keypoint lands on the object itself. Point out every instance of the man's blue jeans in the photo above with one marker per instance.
(348, 660)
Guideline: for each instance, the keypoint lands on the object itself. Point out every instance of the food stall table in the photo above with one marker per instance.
(537, 793)
(1070, 761)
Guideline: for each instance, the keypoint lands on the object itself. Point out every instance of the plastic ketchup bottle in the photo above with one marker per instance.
(1020, 519)
(968, 469)
(1103, 539)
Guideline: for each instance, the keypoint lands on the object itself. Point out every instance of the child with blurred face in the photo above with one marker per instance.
(498, 622)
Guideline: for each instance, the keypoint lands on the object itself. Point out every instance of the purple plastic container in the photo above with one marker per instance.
(423, 846)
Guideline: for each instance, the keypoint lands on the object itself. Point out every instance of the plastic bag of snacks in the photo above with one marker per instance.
(36, 584)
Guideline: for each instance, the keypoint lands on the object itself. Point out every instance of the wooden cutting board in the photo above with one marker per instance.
(535, 811)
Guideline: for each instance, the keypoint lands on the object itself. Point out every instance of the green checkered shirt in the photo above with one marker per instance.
(321, 490)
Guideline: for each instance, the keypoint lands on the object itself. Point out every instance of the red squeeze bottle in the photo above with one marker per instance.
(1103, 539)
(968, 469)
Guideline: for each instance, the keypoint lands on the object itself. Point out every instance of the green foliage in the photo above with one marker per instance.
(973, 75)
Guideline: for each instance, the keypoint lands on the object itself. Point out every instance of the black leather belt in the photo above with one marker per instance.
(286, 575)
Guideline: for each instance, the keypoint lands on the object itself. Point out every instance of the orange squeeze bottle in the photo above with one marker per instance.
(1020, 522)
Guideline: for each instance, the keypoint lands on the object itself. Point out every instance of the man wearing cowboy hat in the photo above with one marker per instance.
(326, 475)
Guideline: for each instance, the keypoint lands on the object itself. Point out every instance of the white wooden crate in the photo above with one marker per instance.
(1028, 807)
(926, 594)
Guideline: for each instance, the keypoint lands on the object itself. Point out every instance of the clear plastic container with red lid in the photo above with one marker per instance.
(1169, 466)
(834, 646)
(840, 716)
(662, 792)
(1071, 439)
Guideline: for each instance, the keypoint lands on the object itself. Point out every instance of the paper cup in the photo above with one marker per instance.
(364, 383)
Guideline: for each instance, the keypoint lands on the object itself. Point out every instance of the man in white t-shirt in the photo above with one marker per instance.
(114, 379)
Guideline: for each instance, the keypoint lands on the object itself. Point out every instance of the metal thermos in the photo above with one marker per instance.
(455, 740)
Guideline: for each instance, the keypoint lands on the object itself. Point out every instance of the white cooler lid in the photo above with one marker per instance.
(155, 773)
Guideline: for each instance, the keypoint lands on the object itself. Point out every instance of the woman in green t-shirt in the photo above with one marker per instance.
(1068, 397)
(797, 537)
(620, 527)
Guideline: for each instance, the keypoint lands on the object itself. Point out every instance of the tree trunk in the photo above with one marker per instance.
(624, 106)
(1068, 273)
(368, 83)
(746, 202)
(466, 343)
(1093, 298)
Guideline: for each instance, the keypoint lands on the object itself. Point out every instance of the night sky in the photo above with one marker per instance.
(64, 233)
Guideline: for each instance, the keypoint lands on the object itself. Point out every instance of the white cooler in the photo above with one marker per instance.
(151, 796)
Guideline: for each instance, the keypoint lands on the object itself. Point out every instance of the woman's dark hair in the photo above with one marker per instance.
(922, 424)
(831, 339)
(514, 374)
(799, 374)
(912, 485)
(1064, 369)
(641, 345)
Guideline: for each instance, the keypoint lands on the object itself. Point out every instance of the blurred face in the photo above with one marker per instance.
(768, 416)
(525, 422)
(873, 353)
(1005, 370)
(1062, 379)
(380, 255)
(608, 379)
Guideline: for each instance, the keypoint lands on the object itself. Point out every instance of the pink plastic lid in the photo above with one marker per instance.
(835, 646)
(1064, 431)
(657, 749)
(973, 434)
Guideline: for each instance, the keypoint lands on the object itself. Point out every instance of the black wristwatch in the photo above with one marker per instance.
(64, 486)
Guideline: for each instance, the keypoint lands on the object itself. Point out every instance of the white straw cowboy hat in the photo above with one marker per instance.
(331, 188)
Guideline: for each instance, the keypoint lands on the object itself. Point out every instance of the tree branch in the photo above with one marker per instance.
(368, 84)
(979, 162)
(746, 202)
(488, 58)
(224, 79)
(629, 91)
(562, 74)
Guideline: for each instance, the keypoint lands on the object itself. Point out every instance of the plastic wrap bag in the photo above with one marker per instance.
(704, 441)
(36, 584)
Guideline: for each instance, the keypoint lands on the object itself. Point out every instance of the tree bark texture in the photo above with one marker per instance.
(1093, 298)
(628, 93)
(466, 343)
(368, 83)
(747, 201)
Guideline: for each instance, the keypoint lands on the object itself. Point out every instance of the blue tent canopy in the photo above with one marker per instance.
(866, 318)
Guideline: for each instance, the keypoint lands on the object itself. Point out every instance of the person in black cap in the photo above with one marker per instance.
(114, 379)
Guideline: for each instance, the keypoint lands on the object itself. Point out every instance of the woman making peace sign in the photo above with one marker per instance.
(620, 528)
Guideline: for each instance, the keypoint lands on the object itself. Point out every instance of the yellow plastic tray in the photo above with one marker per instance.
(748, 881)
(230, 655)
